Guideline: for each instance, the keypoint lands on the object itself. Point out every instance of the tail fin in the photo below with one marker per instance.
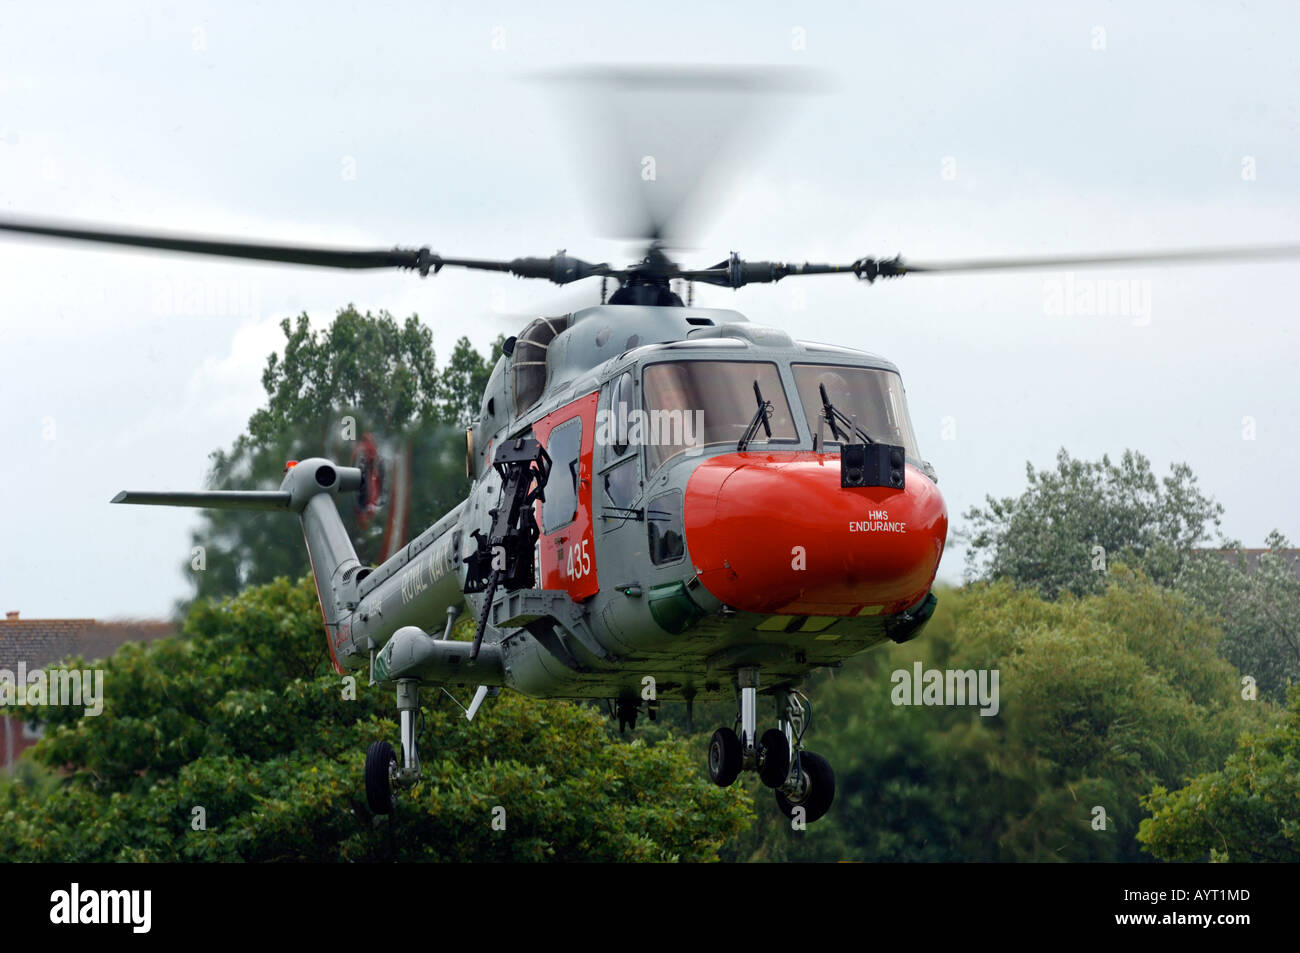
(305, 489)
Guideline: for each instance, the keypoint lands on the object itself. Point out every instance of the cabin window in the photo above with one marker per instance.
(871, 397)
(564, 448)
(664, 523)
(691, 404)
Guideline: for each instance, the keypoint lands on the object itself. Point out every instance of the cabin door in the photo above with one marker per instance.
(567, 548)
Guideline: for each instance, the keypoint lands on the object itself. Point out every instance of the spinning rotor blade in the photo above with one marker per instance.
(559, 268)
(736, 272)
(292, 254)
(1168, 257)
(659, 139)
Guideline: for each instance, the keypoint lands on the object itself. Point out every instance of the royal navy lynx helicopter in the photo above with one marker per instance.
(669, 503)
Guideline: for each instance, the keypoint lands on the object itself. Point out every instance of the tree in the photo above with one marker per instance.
(1064, 530)
(237, 742)
(464, 380)
(1249, 810)
(364, 375)
(1100, 699)
(1259, 608)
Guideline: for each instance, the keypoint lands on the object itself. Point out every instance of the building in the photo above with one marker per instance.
(36, 643)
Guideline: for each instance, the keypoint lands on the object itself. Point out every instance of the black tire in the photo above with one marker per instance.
(774, 758)
(725, 757)
(819, 792)
(380, 760)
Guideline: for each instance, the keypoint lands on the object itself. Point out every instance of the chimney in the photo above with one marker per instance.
(12, 616)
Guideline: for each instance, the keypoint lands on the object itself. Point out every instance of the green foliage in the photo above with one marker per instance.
(464, 379)
(360, 361)
(1249, 810)
(243, 718)
(1045, 538)
(365, 374)
(28, 778)
(1101, 699)
(1259, 609)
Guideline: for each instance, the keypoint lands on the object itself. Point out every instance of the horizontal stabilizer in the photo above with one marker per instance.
(211, 499)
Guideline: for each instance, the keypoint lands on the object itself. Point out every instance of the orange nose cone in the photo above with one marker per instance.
(776, 533)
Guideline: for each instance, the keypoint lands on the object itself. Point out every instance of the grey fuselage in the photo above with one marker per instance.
(606, 612)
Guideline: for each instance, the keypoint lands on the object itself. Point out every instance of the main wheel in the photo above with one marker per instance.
(381, 761)
(818, 791)
(725, 757)
(773, 758)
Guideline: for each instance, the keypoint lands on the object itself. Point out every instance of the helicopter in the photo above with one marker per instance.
(668, 503)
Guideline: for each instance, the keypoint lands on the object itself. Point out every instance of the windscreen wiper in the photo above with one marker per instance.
(760, 417)
(841, 426)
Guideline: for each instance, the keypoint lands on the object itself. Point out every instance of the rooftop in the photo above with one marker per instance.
(41, 642)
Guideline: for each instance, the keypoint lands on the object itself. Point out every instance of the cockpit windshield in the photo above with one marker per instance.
(870, 397)
(691, 404)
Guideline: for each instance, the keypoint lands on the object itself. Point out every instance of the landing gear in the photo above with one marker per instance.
(381, 766)
(803, 782)
(773, 758)
(726, 757)
(626, 708)
(812, 788)
(729, 754)
(383, 769)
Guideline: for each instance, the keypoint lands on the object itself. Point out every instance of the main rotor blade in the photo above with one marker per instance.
(559, 268)
(1167, 257)
(258, 251)
(735, 272)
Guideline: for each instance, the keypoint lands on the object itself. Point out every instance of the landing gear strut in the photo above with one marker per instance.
(803, 782)
(383, 769)
(810, 784)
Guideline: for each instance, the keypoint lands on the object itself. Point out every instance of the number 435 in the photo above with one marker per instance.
(579, 562)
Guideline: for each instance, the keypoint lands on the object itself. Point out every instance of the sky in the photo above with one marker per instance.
(944, 131)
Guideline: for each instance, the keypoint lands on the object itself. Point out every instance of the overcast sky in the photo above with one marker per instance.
(952, 130)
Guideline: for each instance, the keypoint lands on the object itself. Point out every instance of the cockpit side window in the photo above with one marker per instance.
(663, 520)
(621, 405)
(621, 484)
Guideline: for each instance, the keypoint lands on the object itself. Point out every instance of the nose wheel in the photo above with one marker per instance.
(803, 781)
(726, 757)
(811, 787)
